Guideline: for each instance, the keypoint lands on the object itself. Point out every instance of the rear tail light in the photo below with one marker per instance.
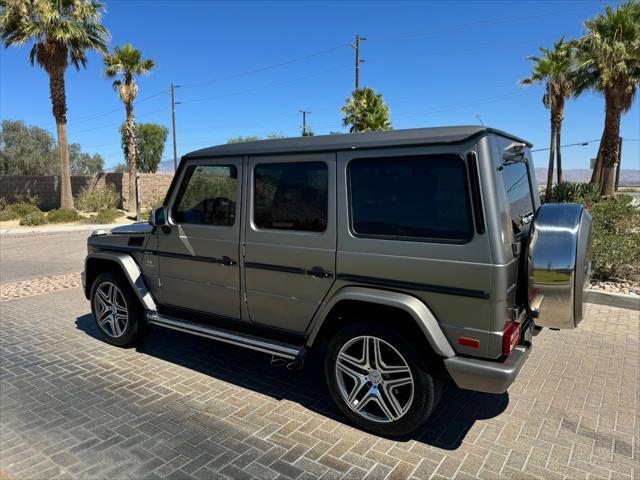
(510, 337)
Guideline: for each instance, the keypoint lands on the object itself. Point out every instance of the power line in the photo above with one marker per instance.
(94, 116)
(479, 23)
(277, 84)
(262, 69)
(582, 144)
(118, 123)
(586, 142)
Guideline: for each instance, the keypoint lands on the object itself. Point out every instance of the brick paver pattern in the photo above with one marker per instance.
(72, 406)
(38, 286)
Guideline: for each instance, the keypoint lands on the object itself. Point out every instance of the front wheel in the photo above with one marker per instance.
(116, 310)
(379, 380)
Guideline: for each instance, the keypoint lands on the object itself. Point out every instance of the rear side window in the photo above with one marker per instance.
(291, 196)
(411, 198)
(516, 184)
(207, 196)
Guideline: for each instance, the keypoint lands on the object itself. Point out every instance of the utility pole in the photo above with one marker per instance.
(304, 121)
(173, 124)
(358, 61)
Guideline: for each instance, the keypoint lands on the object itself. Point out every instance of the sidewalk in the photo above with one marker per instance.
(58, 229)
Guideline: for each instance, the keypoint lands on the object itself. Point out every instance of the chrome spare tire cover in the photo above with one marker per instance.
(559, 266)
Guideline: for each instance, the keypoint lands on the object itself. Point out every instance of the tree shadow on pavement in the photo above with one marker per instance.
(446, 428)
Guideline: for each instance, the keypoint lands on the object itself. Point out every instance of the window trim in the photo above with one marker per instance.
(186, 177)
(252, 205)
(404, 238)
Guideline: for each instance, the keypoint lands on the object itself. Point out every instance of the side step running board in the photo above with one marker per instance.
(272, 347)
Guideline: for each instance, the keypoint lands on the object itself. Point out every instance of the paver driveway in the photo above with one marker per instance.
(181, 406)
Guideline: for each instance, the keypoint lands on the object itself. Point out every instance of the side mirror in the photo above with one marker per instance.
(158, 217)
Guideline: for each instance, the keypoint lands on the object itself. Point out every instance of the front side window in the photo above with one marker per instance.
(207, 196)
(413, 198)
(291, 196)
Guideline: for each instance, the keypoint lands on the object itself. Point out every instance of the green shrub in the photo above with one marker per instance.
(27, 198)
(7, 214)
(155, 202)
(97, 198)
(573, 192)
(35, 218)
(63, 215)
(21, 210)
(615, 248)
(104, 216)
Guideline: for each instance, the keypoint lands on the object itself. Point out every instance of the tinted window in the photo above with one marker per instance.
(291, 196)
(422, 197)
(207, 196)
(516, 184)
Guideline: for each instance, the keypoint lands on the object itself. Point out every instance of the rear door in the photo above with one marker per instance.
(198, 251)
(290, 238)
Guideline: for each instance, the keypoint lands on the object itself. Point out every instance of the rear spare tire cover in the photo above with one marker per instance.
(559, 266)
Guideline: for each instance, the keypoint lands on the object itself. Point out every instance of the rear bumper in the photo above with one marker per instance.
(484, 375)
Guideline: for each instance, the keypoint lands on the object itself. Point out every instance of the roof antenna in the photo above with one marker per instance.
(480, 118)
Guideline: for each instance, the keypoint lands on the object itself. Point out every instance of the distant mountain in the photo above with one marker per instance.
(628, 178)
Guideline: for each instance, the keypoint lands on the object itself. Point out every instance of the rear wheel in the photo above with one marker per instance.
(117, 310)
(379, 380)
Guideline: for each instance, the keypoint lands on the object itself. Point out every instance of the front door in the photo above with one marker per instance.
(199, 249)
(290, 239)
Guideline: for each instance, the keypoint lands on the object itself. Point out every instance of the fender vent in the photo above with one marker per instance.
(136, 241)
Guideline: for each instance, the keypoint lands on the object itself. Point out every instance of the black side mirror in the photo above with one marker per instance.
(158, 217)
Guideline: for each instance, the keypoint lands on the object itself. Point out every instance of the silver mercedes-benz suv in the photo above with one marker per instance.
(410, 256)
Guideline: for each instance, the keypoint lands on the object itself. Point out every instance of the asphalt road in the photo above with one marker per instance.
(24, 257)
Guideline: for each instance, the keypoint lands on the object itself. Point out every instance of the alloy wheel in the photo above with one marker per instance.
(111, 309)
(374, 379)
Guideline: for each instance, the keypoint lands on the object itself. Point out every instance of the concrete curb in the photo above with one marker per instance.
(49, 230)
(619, 300)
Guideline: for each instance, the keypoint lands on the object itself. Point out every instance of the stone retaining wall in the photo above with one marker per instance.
(47, 187)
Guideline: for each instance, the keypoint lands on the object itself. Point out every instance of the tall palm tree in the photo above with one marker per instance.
(555, 67)
(127, 61)
(63, 31)
(609, 63)
(366, 111)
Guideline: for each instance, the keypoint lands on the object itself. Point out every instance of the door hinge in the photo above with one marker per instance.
(244, 250)
(159, 282)
(244, 297)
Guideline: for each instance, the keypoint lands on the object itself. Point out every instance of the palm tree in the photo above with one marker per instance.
(63, 31)
(366, 111)
(128, 62)
(609, 63)
(555, 67)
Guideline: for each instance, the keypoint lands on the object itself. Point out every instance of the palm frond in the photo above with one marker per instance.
(69, 26)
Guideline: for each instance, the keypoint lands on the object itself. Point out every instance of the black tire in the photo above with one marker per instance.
(427, 385)
(135, 328)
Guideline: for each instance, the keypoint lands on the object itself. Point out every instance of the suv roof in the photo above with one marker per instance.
(391, 138)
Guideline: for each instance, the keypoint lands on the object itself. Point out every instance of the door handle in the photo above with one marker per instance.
(228, 261)
(319, 272)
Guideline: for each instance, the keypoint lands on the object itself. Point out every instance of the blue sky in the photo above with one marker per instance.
(436, 63)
